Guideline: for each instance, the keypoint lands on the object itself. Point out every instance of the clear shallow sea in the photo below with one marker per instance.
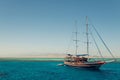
(31, 70)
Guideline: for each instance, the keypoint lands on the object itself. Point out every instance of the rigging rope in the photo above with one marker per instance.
(96, 44)
(103, 42)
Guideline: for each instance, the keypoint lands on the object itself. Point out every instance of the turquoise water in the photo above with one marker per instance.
(31, 70)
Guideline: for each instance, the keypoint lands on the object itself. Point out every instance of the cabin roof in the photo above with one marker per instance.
(82, 54)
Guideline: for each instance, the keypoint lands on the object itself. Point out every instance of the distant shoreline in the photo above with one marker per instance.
(31, 59)
(39, 59)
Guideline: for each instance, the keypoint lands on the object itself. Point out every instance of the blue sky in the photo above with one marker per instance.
(32, 27)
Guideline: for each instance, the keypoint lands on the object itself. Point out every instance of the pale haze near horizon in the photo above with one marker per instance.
(35, 27)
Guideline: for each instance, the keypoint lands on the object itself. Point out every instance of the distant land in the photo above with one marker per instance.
(41, 57)
(37, 56)
(51, 55)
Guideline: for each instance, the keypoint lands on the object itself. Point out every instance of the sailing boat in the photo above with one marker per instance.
(82, 60)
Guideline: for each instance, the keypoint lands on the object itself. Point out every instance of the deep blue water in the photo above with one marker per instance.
(20, 70)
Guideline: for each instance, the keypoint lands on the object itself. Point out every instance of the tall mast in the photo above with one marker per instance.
(87, 35)
(76, 36)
